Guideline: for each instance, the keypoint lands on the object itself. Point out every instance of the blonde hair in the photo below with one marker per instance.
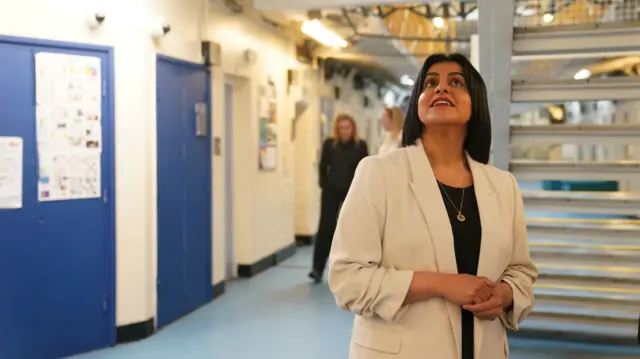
(396, 116)
(345, 117)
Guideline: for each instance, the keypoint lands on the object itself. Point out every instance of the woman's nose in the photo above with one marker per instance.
(442, 87)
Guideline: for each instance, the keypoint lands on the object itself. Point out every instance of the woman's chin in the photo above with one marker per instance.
(445, 121)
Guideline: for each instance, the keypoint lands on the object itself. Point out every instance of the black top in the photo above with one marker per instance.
(338, 163)
(466, 242)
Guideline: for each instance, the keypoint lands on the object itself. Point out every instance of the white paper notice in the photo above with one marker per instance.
(11, 169)
(65, 176)
(68, 126)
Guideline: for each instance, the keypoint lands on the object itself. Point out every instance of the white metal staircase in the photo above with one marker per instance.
(589, 285)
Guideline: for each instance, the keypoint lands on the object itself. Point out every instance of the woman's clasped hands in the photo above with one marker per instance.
(486, 299)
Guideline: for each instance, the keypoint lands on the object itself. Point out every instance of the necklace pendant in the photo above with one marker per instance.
(461, 217)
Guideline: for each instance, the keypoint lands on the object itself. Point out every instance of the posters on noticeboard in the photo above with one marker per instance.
(68, 126)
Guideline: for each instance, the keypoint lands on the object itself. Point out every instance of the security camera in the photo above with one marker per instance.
(160, 28)
(94, 20)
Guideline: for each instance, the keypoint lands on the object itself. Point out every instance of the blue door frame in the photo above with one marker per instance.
(108, 245)
(176, 299)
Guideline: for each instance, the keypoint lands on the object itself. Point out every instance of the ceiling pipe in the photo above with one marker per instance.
(412, 38)
(607, 66)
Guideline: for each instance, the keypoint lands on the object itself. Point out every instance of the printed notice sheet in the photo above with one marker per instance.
(68, 126)
(11, 168)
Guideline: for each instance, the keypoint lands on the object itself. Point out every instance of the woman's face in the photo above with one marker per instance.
(386, 120)
(345, 130)
(445, 98)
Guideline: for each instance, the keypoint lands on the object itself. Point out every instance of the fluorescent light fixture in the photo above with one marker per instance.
(582, 75)
(406, 80)
(314, 29)
(438, 22)
(473, 15)
(547, 17)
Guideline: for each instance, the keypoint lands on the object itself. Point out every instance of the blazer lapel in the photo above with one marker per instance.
(427, 193)
(488, 208)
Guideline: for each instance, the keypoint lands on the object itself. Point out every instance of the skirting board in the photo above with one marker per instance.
(570, 337)
(135, 331)
(218, 289)
(142, 330)
(249, 270)
(304, 240)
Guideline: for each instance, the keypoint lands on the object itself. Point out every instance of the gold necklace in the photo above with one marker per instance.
(460, 216)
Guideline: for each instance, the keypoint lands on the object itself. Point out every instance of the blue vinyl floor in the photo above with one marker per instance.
(280, 315)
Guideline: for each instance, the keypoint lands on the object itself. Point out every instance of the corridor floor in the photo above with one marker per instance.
(280, 315)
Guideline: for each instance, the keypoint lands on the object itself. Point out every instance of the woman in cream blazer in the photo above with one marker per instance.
(431, 251)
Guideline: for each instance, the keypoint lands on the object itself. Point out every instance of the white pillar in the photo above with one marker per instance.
(495, 47)
(474, 46)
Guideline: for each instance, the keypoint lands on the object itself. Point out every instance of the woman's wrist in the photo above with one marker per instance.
(506, 293)
(431, 284)
(425, 285)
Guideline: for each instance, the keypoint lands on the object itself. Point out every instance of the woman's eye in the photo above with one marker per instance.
(431, 83)
(457, 83)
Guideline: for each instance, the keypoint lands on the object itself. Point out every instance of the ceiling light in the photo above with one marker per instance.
(406, 80)
(547, 17)
(314, 29)
(527, 12)
(582, 75)
(438, 22)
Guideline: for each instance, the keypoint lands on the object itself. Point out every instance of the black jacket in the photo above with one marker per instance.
(338, 163)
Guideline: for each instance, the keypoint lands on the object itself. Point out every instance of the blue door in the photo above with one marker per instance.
(56, 258)
(184, 190)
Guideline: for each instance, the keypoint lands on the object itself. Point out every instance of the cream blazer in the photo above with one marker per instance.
(392, 223)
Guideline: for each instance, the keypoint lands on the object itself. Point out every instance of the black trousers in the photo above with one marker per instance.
(330, 203)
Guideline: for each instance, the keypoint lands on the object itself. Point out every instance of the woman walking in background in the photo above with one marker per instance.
(340, 157)
(392, 122)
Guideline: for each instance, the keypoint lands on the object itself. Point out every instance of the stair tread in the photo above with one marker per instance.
(561, 326)
(589, 271)
(585, 249)
(617, 196)
(526, 161)
(614, 294)
(594, 224)
(594, 313)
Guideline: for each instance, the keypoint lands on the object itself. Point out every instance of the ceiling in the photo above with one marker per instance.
(399, 38)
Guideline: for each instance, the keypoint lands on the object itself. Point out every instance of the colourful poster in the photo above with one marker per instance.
(68, 126)
(268, 127)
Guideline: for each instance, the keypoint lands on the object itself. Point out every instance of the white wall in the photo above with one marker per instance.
(306, 157)
(264, 200)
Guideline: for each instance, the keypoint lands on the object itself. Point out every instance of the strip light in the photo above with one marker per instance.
(317, 31)
(582, 75)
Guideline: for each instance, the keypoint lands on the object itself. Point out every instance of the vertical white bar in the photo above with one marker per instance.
(495, 48)
(475, 51)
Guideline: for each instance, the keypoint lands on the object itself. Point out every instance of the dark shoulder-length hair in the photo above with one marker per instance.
(478, 141)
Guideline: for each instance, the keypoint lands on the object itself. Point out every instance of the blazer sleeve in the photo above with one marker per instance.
(357, 279)
(521, 273)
